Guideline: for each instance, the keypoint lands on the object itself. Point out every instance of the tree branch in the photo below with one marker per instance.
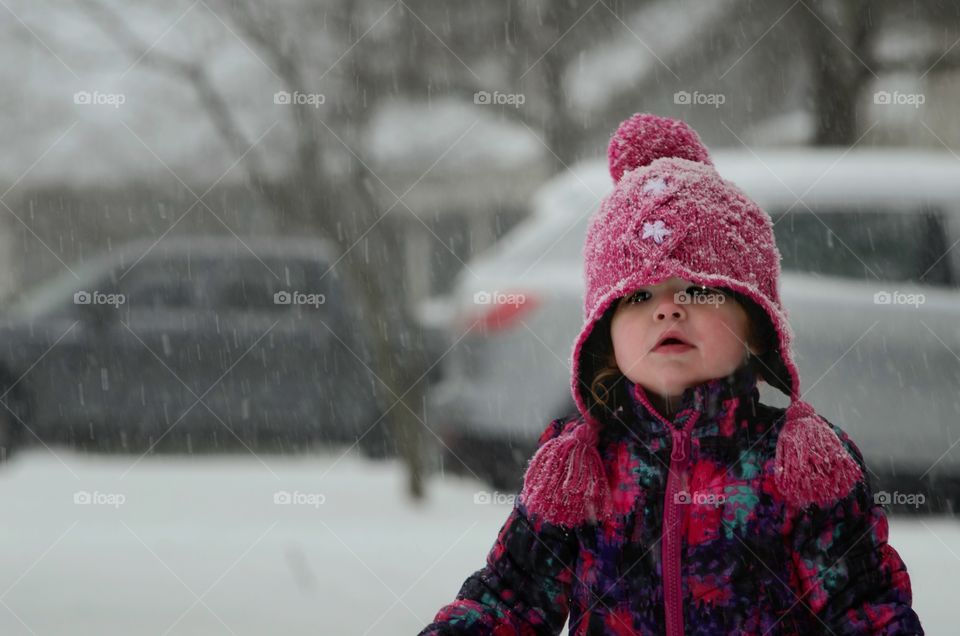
(193, 72)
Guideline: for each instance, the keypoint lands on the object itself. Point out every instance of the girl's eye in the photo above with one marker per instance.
(638, 296)
(695, 290)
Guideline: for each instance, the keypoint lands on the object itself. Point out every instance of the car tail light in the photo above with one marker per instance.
(498, 311)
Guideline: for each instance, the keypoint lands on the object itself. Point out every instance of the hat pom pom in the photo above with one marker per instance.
(565, 483)
(644, 137)
(812, 465)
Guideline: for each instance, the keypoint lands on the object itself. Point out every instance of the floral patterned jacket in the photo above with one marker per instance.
(696, 511)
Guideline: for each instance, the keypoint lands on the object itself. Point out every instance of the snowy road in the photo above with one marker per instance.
(199, 546)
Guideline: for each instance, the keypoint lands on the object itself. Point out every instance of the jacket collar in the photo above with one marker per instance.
(713, 402)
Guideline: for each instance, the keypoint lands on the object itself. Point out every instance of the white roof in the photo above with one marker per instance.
(776, 177)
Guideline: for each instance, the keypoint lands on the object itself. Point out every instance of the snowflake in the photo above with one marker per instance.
(655, 230)
(655, 185)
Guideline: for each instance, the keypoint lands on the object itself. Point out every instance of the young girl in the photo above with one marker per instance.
(674, 502)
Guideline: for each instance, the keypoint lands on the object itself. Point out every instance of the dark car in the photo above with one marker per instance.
(190, 344)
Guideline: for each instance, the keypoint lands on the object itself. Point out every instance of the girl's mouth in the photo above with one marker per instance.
(672, 342)
(672, 345)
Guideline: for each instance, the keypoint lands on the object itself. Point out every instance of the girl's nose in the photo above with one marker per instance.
(669, 307)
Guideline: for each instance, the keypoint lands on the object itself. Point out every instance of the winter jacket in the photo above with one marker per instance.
(700, 529)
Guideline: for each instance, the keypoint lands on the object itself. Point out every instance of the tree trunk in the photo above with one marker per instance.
(840, 70)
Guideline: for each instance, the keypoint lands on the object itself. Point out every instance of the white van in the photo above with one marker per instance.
(871, 283)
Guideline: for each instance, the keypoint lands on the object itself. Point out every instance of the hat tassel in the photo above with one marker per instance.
(565, 483)
(811, 464)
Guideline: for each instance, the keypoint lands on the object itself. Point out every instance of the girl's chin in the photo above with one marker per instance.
(671, 386)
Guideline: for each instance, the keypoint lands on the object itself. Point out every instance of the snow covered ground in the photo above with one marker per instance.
(205, 545)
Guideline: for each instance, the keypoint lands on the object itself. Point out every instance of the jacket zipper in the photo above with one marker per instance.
(671, 533)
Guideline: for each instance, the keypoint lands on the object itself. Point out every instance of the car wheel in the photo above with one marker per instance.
(376, 443)
(497, 462)
(9, 435)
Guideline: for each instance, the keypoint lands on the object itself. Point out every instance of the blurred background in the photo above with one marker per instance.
(288, 290)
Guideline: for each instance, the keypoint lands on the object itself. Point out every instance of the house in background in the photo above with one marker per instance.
(82, 177)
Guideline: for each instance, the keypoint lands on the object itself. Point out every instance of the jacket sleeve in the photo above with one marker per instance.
(848, 576)
(524, 588)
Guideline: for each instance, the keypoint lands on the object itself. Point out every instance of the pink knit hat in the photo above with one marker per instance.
(672, 215)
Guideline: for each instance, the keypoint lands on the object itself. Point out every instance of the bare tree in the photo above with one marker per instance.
(307, 197)
(520, 46)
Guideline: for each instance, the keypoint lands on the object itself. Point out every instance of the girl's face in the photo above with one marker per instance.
(714, 326)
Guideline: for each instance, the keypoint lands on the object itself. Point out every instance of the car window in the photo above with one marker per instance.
(269, 284)
(166, 283)
(866, 244)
